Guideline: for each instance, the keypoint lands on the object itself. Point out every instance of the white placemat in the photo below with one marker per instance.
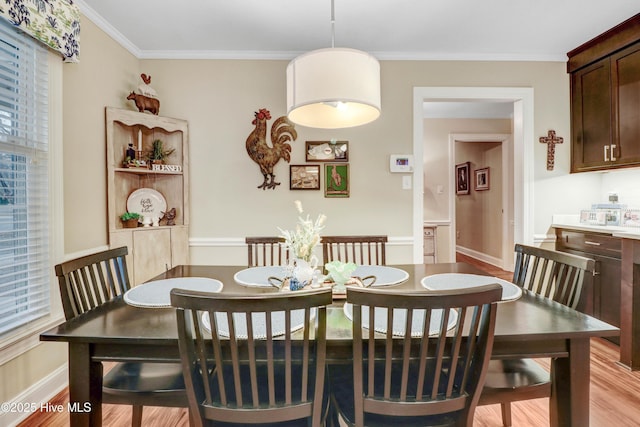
(156, 294)
(385, 276)
(449, 281)
(400, 318)
(258, 276)
(259, 323)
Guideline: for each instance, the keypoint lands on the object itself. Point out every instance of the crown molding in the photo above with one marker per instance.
(110, 30)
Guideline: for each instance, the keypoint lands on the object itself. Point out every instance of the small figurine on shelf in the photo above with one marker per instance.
(131, 153)
(145, 97)
(170, 216)
(130, 157)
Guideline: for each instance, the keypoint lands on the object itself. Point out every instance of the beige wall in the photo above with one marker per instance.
(103, 77)
(218, 98)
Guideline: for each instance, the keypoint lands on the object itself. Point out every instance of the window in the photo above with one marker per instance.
(24, 180)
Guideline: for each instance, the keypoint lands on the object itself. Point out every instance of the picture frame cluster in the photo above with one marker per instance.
(334, 157)
(463, 179)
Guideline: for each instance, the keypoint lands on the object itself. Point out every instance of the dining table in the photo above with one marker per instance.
(526, 326)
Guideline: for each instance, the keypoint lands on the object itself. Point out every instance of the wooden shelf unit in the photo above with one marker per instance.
(151, 249)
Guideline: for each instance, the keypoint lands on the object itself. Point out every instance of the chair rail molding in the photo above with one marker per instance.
(239, 241)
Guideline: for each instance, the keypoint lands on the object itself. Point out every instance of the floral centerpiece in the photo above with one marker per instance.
(301, 243)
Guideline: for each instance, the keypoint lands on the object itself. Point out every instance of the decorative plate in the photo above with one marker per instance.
(448, 281)
(400, 319)
(147, 202)
(157, 294)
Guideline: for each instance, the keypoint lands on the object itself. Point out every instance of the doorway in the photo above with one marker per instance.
(521, 157)
(482, 220)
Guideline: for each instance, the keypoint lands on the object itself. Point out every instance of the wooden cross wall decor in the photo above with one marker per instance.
(551, 140)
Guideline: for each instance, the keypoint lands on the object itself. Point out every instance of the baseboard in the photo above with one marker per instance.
(481, 256)
(38, 394)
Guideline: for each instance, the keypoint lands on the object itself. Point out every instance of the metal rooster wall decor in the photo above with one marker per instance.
(267, 155)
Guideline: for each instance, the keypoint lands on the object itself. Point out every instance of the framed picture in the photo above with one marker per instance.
(462, 178)
(327, 151)
(482, 179)
(336, 180)
(304, 177)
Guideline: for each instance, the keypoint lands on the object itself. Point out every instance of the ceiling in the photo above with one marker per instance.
(539, 30)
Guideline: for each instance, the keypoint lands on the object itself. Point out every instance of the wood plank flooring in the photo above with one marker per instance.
(615, 395)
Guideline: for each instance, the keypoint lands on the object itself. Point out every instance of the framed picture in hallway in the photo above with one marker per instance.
(482, 179)
(462, 178)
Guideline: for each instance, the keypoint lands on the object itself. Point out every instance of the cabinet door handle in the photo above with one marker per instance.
(586, 242)
(613, 146)
(606, 153)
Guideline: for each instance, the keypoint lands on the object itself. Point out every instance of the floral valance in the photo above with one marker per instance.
(56, 23)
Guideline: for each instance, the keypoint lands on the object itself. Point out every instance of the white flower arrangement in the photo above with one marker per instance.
(305, 237)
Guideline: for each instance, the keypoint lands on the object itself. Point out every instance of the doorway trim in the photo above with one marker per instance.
(523, 138)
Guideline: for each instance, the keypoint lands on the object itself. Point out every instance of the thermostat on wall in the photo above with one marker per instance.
(402, 163)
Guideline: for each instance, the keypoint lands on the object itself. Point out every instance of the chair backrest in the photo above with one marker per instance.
(92, 280)
(247, 373)
(413, 376)
(362, 250)
(556, 275)
(264, 251)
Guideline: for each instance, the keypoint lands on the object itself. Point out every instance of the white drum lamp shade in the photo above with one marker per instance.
(333, 88)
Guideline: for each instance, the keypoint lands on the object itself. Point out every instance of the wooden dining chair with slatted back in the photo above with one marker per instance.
(559, 276)
(405, 379)
(91, 281)
(362, 250)
(265, 251)
(256, 359)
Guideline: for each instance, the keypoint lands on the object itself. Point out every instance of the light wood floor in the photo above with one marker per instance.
(615, 396)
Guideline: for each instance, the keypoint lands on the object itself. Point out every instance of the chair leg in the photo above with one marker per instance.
(136, 417)
(506, 414)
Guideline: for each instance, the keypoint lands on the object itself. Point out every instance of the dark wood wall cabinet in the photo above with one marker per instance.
(603, 296)
(605, 99)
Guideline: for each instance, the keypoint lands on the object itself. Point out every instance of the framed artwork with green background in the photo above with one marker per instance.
(336, 180)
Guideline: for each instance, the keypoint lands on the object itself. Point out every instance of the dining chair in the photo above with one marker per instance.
(254, 359)
(265, 251)
(91, 281)
(404, 379)
(559, 276)
(362, 250)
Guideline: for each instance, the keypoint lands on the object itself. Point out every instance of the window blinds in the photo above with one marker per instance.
(24, 180)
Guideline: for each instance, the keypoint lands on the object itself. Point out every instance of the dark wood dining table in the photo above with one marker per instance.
(531, 326)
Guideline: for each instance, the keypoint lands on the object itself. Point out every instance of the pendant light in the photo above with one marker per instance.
(334, 87)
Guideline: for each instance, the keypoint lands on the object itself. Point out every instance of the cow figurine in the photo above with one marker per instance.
(145, 103)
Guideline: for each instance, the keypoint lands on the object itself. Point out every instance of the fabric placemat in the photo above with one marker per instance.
(385, 276)
(156, 294)
(258, 276)
(259, 323)
(451, 281)
(400, 318)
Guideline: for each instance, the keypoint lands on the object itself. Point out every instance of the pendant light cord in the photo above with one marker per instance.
(333, 24)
